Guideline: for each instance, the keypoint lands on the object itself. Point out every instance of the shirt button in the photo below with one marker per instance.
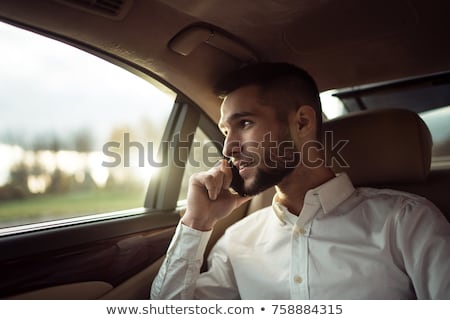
(298, 279)
(300, 230)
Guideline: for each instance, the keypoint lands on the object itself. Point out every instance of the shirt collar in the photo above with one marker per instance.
(330, 195)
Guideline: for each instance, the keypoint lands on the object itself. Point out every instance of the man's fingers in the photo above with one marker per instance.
(227, 174)
(213, 182)
(216, 179)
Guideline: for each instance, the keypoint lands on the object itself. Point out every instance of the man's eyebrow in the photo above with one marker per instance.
(234, 117)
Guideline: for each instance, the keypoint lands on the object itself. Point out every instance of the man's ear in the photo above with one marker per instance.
(305, 121)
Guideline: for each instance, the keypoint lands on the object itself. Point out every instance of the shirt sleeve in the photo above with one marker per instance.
(219, 281)
(179, 276)
(180, 270)
(423, 237)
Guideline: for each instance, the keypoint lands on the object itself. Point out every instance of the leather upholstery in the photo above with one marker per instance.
(384, 146)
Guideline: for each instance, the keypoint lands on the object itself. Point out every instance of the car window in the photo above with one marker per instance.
(430, 102)
(437, 121)
(332, 107)
(203, 155)
(75, 131)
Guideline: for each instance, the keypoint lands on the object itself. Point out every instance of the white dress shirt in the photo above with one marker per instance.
(346, 243)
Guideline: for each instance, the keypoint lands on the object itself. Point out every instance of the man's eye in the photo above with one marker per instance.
(245, 123)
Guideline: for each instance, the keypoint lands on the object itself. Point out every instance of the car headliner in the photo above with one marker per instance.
(341, 43)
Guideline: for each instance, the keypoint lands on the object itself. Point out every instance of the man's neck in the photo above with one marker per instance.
(292, 190)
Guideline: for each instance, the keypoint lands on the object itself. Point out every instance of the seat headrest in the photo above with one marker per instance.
(384, 146)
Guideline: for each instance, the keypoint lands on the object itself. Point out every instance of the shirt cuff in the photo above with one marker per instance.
(188, 243)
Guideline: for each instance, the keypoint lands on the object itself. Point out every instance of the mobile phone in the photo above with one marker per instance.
(237, 183)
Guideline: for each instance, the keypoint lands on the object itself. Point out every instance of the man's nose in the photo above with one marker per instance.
(231, 147)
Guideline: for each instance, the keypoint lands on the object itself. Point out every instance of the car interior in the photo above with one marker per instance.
(387, 62)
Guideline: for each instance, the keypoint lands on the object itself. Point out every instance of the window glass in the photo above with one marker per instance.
(438, 122)
(332, 106)
(436, 119)
(204, 154)
(75, 131)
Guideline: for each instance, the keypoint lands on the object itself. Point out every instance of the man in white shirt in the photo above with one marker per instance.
(321, 238)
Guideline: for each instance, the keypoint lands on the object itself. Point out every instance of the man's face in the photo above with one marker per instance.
(259, 144)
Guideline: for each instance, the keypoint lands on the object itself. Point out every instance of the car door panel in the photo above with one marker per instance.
(110, 260)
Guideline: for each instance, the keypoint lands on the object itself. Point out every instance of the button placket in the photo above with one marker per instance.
(300, 249)
(299, 264)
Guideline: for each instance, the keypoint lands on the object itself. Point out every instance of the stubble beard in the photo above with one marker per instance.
(278, 164)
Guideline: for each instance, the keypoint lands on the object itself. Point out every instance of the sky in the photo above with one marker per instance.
(47, 86)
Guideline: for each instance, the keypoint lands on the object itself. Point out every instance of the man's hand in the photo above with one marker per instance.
(209, 198)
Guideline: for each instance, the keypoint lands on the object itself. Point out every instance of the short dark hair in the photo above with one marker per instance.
(291, 85)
